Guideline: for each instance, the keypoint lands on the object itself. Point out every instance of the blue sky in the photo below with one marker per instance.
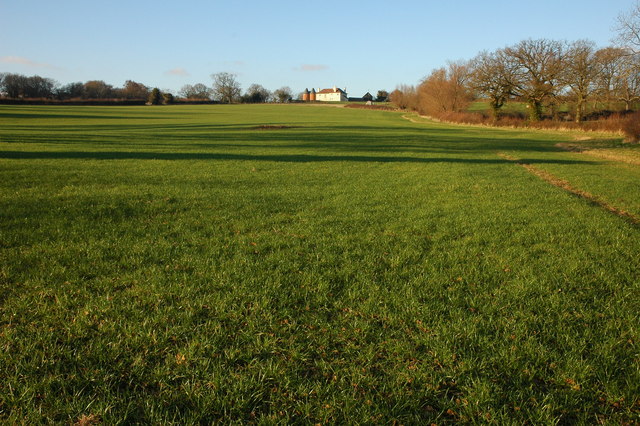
(361, 45)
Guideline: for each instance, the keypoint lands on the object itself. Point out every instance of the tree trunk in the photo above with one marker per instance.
(535, 110)
(579, 110)
(495, 111)
(555, 112)
(496, 104)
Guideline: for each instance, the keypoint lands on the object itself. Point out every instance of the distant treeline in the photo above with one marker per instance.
(88, 102)
(225, 88)
(18, 88)
(95, 102)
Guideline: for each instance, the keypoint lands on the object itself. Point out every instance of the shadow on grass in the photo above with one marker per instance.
(346, 139)
(301, 158)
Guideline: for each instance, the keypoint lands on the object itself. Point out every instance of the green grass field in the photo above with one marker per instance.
(280, 264)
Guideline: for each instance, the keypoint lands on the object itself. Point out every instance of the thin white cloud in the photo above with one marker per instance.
(312, 67)
(19, 60)
(178, 71)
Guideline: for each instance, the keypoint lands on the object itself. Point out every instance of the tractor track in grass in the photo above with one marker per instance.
(565, 185)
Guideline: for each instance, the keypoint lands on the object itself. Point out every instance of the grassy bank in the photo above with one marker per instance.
(274, 263)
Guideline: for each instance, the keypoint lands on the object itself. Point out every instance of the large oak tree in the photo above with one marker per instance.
(535, 68)
(488, 77)
(581, 73)
(226, 88)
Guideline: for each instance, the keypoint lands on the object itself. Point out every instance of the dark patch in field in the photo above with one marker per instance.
(272, 127)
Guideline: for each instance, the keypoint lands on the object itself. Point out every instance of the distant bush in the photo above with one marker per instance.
(405, 97)
(167, 98)
(154, 97)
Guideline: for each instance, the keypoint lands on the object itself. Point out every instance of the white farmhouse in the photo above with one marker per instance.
(332, 95)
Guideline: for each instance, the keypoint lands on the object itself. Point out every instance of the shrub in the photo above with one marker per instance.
(464, 117)
(631, 127)
(168, 98)
(154, 97)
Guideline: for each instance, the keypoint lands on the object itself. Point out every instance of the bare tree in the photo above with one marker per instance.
(405, 97)
(97, 89)
(197, 91)
(226, 88)
(535, 68)
(629, 29)
(445, 90)
(488, 77)
(627, 82)
(283, 94)
(581, 73)
(70, 91)
(40, 87)
(21, 86)
(134, 90)
(256, 94)
(13, 85)
(609, 61)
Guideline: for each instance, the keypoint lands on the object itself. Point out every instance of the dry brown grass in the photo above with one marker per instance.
(87, 420)
(382, 107)
(622, 124)
(631, 128)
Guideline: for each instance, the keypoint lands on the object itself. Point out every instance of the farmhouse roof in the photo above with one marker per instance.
(332, 90)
